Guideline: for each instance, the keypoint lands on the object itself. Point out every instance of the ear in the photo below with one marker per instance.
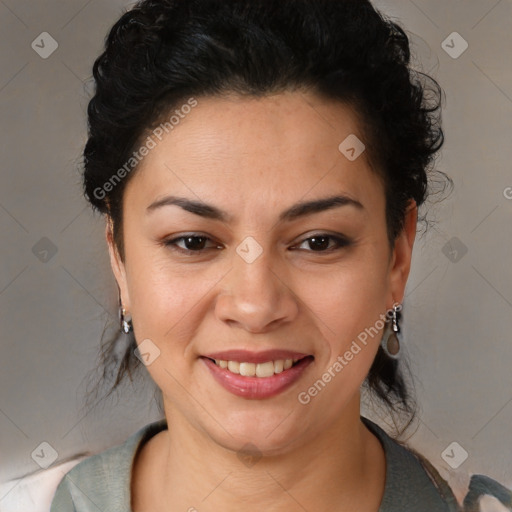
(400, 264)
(117, 264)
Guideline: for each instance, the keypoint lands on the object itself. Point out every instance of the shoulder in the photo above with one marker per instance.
(102, 481)
(411, 483)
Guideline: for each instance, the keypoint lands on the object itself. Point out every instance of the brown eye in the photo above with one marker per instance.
(190, 243)
(322, 242)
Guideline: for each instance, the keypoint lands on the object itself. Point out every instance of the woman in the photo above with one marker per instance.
(260, 166)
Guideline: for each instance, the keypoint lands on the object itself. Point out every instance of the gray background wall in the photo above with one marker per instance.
(54, 304)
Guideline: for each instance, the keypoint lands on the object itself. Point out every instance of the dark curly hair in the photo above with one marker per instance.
(161, 53)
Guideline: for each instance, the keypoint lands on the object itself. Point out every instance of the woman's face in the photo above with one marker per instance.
(265, 278)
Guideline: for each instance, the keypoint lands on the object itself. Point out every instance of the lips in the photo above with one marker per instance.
(257, 375)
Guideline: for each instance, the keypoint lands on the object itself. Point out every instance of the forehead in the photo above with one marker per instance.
(239, 147)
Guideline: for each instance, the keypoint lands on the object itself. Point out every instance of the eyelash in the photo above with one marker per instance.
(341, 242)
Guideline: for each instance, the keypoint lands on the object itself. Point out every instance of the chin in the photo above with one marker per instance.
(268, 432)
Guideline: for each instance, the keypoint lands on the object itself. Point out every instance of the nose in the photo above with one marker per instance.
(256, 296)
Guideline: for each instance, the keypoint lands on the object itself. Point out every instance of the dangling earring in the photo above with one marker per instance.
(125, 322)
(390, 342)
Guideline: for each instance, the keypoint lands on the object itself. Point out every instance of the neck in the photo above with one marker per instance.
(343, 469)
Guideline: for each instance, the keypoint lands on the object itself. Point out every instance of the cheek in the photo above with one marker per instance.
(348, 309)
(348, 301)
(168, 300)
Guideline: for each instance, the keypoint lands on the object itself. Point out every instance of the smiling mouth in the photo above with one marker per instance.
(262, 370)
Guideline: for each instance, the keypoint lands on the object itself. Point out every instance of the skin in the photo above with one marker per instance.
(254, 158)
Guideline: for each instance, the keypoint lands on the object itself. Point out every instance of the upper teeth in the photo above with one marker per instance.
(257, 370)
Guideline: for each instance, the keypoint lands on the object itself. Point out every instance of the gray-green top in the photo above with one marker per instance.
(102, 482)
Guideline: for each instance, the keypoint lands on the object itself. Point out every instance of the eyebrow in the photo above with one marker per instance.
(295, 211)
